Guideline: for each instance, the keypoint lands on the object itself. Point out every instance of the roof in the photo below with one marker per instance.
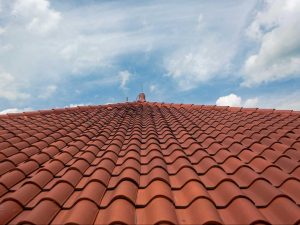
(147, 163)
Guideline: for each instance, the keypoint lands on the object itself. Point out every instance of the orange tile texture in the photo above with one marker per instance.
(149, 163)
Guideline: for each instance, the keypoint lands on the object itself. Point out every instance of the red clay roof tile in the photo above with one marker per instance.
(148, 163)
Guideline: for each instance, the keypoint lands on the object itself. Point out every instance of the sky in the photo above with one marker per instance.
(56, 54)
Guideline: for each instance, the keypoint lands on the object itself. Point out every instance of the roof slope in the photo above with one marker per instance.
(145, 163)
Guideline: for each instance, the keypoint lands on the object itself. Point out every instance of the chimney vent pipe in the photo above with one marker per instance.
(141, 97)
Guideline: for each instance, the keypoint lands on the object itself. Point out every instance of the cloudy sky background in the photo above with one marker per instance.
(78, 52)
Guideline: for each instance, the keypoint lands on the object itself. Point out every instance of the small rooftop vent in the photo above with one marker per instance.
(141, 97)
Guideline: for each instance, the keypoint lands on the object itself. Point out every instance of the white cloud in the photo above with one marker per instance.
(229, 100)
(251, 103)
(276, 29)
(281, 100)
(191, 67)
(211, 45)
(235, 100)
(286, 103)
(270, 100)
(75, 105)
(124, 78)
(9, 88)
(37, 15)
(15, 110)
(48, 91)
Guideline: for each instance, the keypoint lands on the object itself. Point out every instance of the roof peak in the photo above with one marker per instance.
(142, 97)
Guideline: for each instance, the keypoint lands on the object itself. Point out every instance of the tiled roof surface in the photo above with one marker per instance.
(146, 163)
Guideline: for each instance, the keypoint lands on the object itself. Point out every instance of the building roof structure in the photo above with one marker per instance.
(149, 163)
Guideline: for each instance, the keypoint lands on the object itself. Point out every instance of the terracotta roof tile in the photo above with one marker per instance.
(150, 163)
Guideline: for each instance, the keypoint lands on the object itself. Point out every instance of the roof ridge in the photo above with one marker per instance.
(159, 104)
(229, 108)
(54, 110)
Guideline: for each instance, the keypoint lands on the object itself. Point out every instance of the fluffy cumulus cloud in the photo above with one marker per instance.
(276, 30)
(229, 100)
(235, 100)
(282, 100)
(36, 14)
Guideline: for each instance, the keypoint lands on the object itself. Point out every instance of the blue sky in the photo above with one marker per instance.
(233, 52)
